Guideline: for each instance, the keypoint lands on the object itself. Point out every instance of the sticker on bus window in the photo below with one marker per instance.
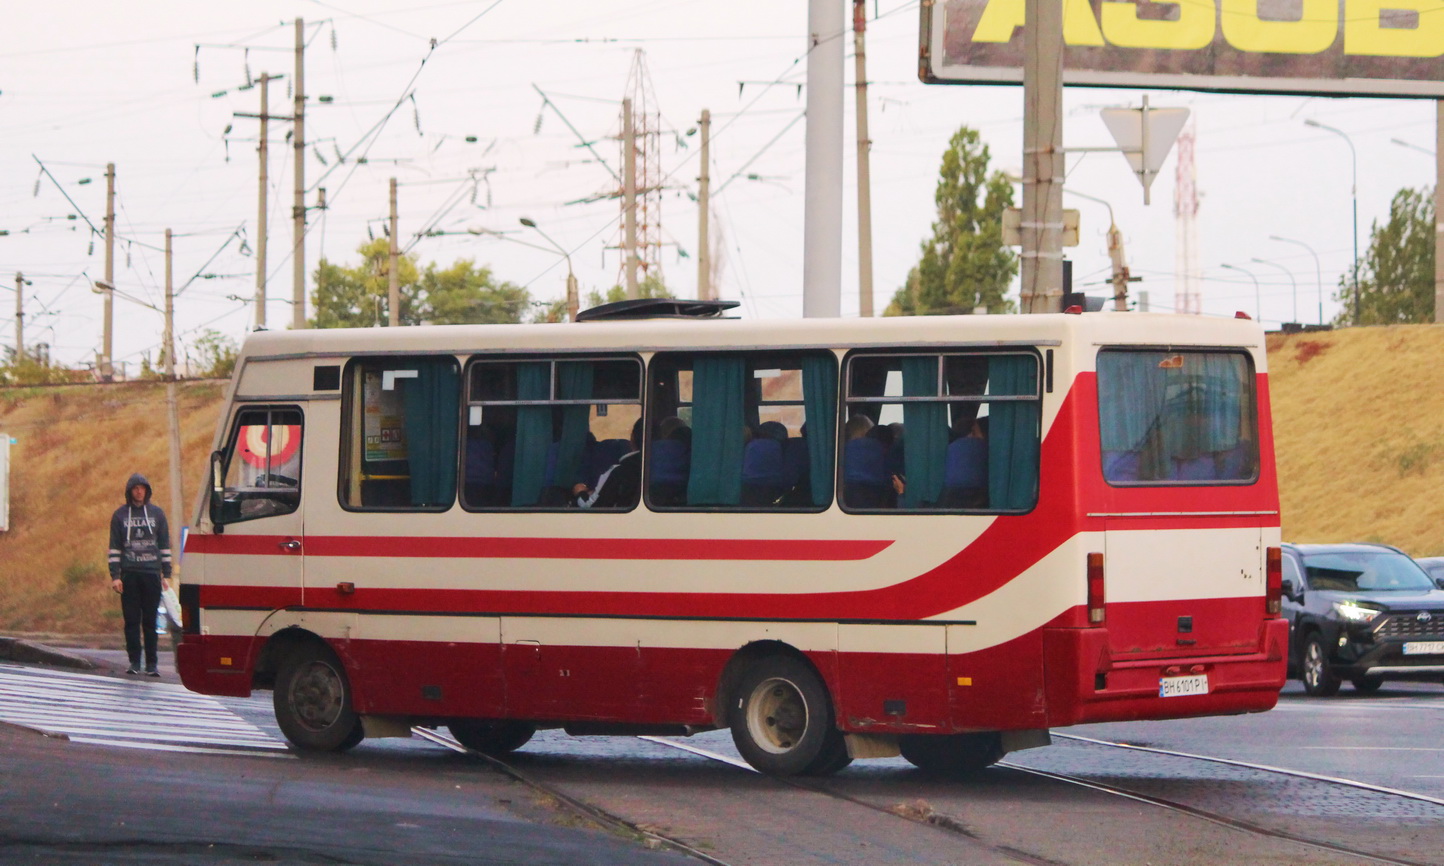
(1172, 362)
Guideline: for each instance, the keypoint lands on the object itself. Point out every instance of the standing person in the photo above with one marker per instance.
(139, 565)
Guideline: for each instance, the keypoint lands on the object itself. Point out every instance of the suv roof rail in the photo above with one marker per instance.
(656, 308)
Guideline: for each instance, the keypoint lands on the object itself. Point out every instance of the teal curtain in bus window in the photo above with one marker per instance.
(533, 434)
(819, 403)
(1012, 433)
(574, 382)
(717, 422)
(430, 403)
(1131, 393)
(925, 434)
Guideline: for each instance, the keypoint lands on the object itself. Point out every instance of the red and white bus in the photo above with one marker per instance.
(934, 536)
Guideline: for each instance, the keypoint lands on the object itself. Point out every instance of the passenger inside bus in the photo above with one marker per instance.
(965, 474)
(671, 462)
(762, 468)
(621, 485)
(865, 479)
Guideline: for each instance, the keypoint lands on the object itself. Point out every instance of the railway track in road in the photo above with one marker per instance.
(939, 818)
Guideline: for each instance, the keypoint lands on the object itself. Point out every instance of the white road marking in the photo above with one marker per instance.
(139, 714)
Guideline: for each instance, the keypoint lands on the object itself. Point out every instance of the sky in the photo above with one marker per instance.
(447, 98)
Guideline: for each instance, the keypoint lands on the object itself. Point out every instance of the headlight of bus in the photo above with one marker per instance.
(1350, 611)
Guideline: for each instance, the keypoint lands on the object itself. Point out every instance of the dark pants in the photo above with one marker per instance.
(140, 602)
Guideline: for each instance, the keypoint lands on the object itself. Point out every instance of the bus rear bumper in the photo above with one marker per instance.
(1084, 684)
(215, 666)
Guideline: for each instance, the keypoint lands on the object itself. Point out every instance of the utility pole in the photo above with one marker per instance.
(822, 209)
(298, 206)
(864, 170)
(1042, 221)
(19, 317)
(1120, 267)
(629, 196)
(106, 374)
(1438, 216)
(704, 243)
(172, 408)
(264, 150)
(393, 293)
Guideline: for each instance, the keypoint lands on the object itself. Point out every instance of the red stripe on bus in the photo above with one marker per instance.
(426, 547)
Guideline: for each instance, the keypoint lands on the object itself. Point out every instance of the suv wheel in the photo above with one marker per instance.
(1319, 680)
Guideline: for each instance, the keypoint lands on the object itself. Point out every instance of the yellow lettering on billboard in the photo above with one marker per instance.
(1315, 31)
(1002, 17)
(1193, 28)
(1364, 32)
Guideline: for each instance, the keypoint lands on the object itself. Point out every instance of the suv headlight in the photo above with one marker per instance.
(1350, 611)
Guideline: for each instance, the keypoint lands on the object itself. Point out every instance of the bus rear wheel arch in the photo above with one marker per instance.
(782, 719)
(312, 700)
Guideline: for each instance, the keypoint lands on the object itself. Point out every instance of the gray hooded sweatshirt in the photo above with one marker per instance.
(139, 535)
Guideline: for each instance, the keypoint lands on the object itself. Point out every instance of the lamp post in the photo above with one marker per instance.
(1354, 194)
(1257, 299)
(1317, 267)
(1291, 279)
(572, 301)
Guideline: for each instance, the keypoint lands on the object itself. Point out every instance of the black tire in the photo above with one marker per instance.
(313, 701)
(1367, 685)
(782, 720)
(952, 755)
(1319, 679)
(491, 737)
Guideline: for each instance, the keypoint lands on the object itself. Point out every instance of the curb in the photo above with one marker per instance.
(29, 652)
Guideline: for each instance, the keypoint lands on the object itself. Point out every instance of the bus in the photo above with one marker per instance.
(938, 537)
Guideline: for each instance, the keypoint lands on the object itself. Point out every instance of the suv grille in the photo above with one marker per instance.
(1407, 625)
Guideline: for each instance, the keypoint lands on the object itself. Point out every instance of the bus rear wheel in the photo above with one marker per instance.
(491, 737)
(782, 720)
(313, 701)
(952, 755)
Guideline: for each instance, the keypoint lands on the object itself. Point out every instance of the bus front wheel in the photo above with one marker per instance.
(491, 737)
(313, 701)
(952, 754)
(782, 720)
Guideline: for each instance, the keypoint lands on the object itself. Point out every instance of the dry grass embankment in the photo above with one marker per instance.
(1357, 420)
(76, 446)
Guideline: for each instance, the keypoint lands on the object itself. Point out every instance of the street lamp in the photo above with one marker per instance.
(1291, 279)
(1257, 299)
(572, 301)
(1317, 267)
(1354, 193)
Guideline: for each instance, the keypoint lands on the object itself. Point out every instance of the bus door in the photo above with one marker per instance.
(255, 552)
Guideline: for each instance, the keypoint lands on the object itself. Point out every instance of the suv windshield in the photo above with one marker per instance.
(1365, 571)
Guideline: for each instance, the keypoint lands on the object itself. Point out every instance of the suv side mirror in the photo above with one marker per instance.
(1439, 581)
(1288, 589)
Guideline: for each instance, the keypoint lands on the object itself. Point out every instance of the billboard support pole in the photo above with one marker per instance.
(1042, 220)
(1438, 211)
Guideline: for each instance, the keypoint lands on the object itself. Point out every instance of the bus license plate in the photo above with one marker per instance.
(1424, 648)
(1173, 687)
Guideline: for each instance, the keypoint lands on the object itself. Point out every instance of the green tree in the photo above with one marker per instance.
(358, 297)
(650, 286)
(215, 355)
(1396, 274)
(964, 265)
(468, 294)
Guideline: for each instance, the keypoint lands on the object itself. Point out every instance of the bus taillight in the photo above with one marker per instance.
(1095, 587)
(1273, 581)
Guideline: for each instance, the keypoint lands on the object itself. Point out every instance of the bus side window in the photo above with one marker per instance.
(262, 466)
(399, 448)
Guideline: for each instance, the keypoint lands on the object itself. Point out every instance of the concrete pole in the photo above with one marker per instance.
(172, 407)
(264, 150)
(1042, 223)
(822, 208)
(704, 183)
(864, 169)
(393, 273)
(298, 206)
(1439, 211)
(629, 197)
(1120, 268)
(106, 342)
(19, 317)
(573, 299)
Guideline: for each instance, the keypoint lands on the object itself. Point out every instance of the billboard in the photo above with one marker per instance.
(1315, 47)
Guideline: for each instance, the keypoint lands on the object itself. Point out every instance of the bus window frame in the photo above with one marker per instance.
(1250, 381)
(746, 352)
(228, 454)
(942, 354)
(553, 358)
(349, 388)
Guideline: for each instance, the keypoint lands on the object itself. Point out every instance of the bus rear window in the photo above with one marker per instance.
(1177, 418)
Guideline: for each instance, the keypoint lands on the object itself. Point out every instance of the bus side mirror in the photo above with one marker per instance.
(217, 498)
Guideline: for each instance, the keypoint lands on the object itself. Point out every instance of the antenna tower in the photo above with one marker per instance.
(646, 141)
(1186, 278)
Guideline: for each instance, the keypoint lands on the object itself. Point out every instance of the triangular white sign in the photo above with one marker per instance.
(1127, 126)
